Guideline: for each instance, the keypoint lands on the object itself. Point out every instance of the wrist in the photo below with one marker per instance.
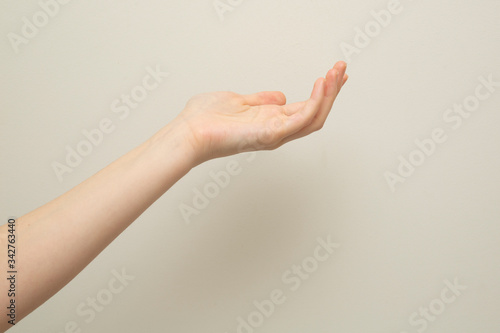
(176, 141)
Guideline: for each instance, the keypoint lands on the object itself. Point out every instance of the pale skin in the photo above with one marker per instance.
(58, 240)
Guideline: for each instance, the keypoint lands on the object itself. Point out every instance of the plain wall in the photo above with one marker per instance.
(398, 249)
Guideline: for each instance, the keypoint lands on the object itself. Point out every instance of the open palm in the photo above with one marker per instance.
(226, 123)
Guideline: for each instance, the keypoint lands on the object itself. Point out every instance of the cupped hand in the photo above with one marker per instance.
(227, 123)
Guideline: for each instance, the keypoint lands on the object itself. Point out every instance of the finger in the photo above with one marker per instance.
(332, 83)
(340, 67)
(317, 123)
(310, 116)
(331, 90)
(305, 115)
(334, 79)
(292, 108)
(265, 97)
(346, 77)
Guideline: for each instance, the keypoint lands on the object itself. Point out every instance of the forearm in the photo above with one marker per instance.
(57, 240)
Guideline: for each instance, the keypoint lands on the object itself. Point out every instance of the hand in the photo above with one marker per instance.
(227, 123)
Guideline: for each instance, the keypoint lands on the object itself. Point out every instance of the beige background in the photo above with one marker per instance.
(396, 248)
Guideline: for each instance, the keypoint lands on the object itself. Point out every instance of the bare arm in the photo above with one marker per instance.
(60, 238)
